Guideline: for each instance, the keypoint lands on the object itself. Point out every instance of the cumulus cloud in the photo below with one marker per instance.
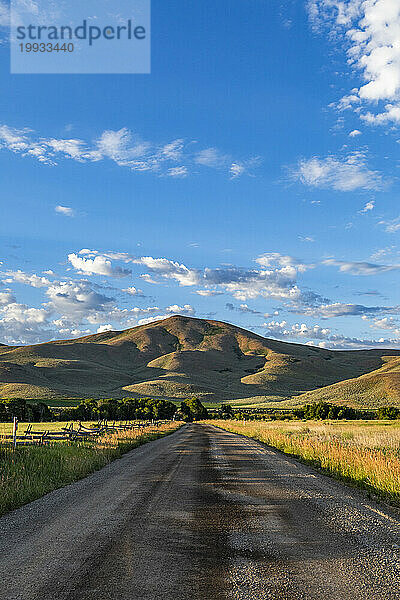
(275, 279)
(170, 269)
(76, 298)
(7, 298)
(99, 265)
(21, 324)
(344, 174)
(386, 323)
(355, 133)
(104, 328)
(323, 337)
(32, 280)
(370, 30)
(132, 291)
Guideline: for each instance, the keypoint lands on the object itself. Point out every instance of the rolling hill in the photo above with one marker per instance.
(181, 356)
(381, 387)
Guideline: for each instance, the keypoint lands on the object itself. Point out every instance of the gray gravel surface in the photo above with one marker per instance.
(201, 514)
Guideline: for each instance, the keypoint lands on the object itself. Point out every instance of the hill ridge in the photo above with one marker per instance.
(181, 356)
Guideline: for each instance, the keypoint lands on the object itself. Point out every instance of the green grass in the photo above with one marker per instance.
(33, 471)
(363, 453)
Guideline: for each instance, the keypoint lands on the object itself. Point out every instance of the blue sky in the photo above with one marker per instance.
(252, 177)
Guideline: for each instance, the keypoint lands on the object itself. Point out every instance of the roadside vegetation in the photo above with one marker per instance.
(316, 410)
(364, 453)
(32, 471)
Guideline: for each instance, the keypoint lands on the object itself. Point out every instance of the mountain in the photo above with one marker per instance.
(381, 387)
(180, 357)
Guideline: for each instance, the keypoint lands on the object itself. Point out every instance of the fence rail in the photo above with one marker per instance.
(31, 437)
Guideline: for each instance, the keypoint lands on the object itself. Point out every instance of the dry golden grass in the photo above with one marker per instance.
(366, 453)
(30, 472)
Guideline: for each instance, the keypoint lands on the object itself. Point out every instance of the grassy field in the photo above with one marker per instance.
(31, 472)
(6, 428)
(364, 453)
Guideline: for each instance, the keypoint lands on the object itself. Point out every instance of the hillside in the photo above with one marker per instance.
(178, 357)
(381, 387)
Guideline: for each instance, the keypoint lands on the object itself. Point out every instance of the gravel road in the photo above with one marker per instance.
(202, 514)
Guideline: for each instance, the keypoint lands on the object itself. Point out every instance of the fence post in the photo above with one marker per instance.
(15, 427)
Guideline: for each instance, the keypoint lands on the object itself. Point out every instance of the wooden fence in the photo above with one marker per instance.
(74, 432)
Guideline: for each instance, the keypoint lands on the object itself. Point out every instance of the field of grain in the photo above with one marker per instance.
(364, 453)
(32, 471)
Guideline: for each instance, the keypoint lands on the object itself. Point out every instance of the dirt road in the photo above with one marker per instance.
(201, 514)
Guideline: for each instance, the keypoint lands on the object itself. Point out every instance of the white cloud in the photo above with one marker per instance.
(99, 265)
(104, 328)
(298, 330)
(170, 269)
(32, 280)
(391, 115)
(208, 293)
(176, 159)
(132, 291)
(148, 320)
(276, 280)
(7, 298)
(212, 157)
(371, 31)
(386, 323)
(339, 309)
(187, 309)
(355, 133)
(368, 207)
(323, 336)
(76, 298)
(179, 172)
(20, 324)
(67, 211)
(344, 174)
(391, 226)
(236, 170)
(275, 259)
(359, 268)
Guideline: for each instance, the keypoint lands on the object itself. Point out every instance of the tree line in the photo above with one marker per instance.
(90, 409)
(315, 411)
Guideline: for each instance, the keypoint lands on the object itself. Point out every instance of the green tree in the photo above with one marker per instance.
(193, 410)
